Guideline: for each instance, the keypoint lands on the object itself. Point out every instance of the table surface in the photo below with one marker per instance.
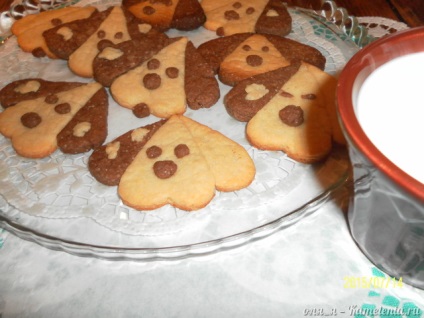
(410, 12)
(310, 269)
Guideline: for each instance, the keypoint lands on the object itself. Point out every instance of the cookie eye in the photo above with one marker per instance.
(265, 49)
(172, 72)
(62, 108)
(237, 5)
(153, 152)
(246, 47)
(153, 64)
(181, 151)
(250, 10)
(51, 99)
(101, 34)
(119, 35)
(309, 96)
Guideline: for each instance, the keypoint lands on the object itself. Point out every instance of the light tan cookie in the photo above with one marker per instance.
(168, 14)
(242, 55)
(240, 16)
(113, 28)
(29, 30)
(73, 118)
(166, 82)
(177, 161)
(295, 117)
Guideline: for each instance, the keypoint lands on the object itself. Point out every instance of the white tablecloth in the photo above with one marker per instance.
(298, 272)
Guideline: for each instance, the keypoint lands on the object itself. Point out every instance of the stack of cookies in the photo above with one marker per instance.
(277, 86)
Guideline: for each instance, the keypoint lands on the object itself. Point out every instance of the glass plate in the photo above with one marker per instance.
(55, 201)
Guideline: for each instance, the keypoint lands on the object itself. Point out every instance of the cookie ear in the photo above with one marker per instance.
(200, 85)
(34, 124)
(188, 15)
(275, 19)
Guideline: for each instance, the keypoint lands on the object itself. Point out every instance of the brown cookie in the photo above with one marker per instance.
(44, 116)
(289, 109)
(168, 14)
(177, 161)
(242, 55)
(240, 16)
(29, 30)
(175, 76)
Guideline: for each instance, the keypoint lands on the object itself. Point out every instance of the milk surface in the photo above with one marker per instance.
(390, 109)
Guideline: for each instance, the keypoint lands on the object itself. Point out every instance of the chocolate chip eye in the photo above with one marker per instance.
(250, 10)
(101, 34)
(153, 64)
(119, 35)
(246, 47)
(63, 108)
(309, 96)
(152, 81)
(51, 99)
(265, 49)
(30, 120)
(181, 151)
(172, 72)
(165, 169)
(153, 152)
(286, 94)
(292, 115)
(237, 5)
(141, 110)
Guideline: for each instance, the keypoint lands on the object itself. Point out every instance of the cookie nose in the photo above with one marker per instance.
(254, 60)
(165, 169)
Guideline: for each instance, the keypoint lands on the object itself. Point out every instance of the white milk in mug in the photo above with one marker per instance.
(390, 109)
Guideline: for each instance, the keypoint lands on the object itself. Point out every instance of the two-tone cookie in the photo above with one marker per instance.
(79, 41)
(177, 161)
(171, 74)
(243, 55)
(42, 116)
(29, 30)
(240, 16)
(168, 14)
(291, 109)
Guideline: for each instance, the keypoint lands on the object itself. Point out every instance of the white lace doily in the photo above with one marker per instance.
(379, 26)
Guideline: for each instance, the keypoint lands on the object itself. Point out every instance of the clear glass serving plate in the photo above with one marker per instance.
(56, 203)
